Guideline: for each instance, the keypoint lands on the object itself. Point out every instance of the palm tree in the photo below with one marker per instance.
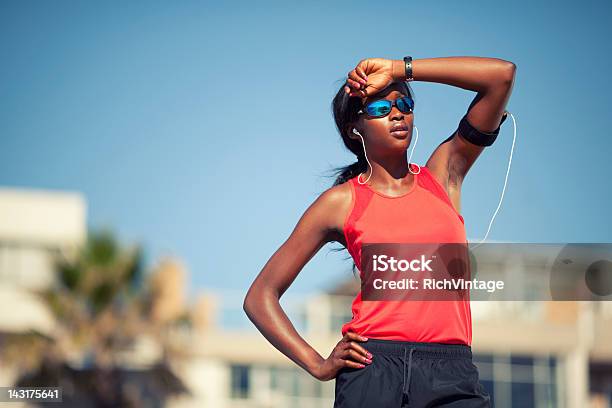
(102, 305)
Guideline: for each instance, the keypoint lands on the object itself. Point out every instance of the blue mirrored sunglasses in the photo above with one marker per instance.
(382, 107)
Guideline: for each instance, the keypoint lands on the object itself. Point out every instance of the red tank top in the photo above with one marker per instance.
(424, 214)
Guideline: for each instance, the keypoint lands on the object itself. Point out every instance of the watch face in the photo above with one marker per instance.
(408, 63)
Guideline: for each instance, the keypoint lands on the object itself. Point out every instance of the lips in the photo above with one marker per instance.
(399, 128)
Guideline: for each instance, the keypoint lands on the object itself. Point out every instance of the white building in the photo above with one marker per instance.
(34, 225)
(529, 354)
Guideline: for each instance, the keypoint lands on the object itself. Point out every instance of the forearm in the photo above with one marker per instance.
(477, 74)
(264, 310)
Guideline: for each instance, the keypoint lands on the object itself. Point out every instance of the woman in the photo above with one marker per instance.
(415, 354)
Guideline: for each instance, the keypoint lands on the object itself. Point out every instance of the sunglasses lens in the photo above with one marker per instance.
(405, 104)
(379, 108)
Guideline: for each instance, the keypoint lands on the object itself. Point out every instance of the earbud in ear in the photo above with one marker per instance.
(356, 132)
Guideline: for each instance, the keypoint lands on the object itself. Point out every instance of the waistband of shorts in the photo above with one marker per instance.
(421, 349)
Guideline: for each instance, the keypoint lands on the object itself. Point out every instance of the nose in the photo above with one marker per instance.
(396, 114)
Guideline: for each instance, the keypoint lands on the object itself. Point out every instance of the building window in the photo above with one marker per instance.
(293, 382)
(240, 381)
(515, 380)
(341, 312)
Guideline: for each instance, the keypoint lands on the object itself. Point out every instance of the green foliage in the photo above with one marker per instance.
(103, 273)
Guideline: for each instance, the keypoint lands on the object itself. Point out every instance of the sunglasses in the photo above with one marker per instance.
(382, 107)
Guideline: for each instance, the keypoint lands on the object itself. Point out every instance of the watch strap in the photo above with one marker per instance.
(408, 65)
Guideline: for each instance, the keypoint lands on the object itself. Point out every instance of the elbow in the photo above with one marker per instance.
(252, 300)
(501, 77)
(247, 304)
(508, 73)
(248, 308)
(259, 301)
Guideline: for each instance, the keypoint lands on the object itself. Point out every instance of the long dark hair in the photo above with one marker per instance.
(345, 108)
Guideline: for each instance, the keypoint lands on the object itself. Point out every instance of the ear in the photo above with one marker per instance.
(350, 133)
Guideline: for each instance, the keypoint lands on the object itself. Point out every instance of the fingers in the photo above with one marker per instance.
(362, 73)
(358, 351)
(352, 364)
(354, 88)
(354, 336)
(356, 82)
(361, 356)
(352, 92)
(351, 358)
(357, 79)
(348, 353)
(355, 350)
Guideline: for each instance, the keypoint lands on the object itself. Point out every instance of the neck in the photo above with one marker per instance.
(390, 172)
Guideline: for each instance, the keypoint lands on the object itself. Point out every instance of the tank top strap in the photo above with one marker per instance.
(361, 199)
(429, 182)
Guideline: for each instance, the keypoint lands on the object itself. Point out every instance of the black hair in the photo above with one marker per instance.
(344, 109)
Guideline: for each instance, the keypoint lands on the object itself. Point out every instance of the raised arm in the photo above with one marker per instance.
(321, 223)
(493, 80)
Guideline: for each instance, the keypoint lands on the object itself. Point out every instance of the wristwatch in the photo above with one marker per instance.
(408, 63)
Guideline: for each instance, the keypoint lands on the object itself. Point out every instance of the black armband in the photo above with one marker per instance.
(475, 136)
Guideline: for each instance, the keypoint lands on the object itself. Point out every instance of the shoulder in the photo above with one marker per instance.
(337, 194)
(446, 188)
(439, 174)
(337, 197)
(337, 202)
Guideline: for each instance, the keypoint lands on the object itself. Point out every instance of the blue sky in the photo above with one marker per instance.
(204, 130)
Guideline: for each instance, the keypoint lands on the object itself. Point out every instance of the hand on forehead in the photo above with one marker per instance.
(393, 91)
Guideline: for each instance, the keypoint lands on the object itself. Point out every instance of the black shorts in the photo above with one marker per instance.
(407, 374)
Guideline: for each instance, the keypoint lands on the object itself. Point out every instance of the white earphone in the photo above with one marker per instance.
(505, 182)
(355, 131)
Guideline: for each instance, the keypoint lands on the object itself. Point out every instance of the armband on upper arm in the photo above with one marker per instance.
(475, 136)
